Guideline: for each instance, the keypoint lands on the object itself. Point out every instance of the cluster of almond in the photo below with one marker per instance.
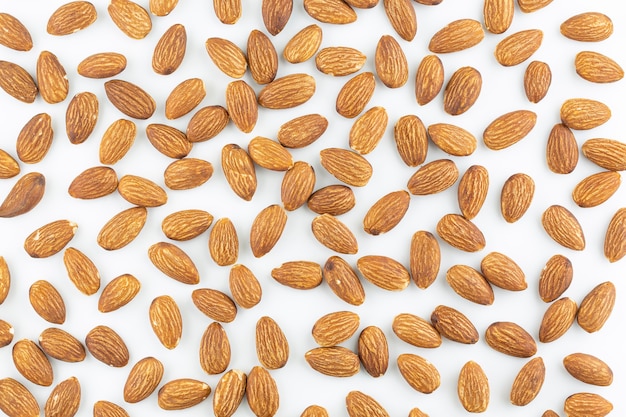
(349, 166)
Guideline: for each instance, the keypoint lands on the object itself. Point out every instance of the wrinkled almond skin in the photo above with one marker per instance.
(347, 166)
(24, 196)
(187, 173)
(391, 64)
(460, 233)
(272, 348)
(183, 393)
(6, 333)
(5, 280)
(529, 6)
(223, 242)
(15, 35)
(428, 79)
(186, 224)
(117, 141)
(335, 328)
(214, 349)
(452, 139)
(587, 404)
(359, 404)
(107, 346)
(588, 369)
(416, 412)
(335, 12)
(227, 11)
(457, 36)
(518, 47)
(416, 331)
(173, 262)
(144, 377)
(303, 45)
(244, 286)
(51, 78)
(169, 51)
(470, 284)
(472, 191)
(184, 98)
(516, 196)
(9, 167)
(332, 199)
(355, 94)
(61, 345)
(595, 309)
(336, 361)
(339, 60)
(262, 57)
(561, 150)
(596, 188)
(615, 237)
(229, 393)
(162, 7)
(269, 154)
(301, 275)
(287, 92)
(473, 388)
(71, 17)
(587, 27)
(102, 65)
(314, 411)
(297, 185)
(425, 258)
(597, 68)
(93, 183)
(122, 228)
(267, 227)
(607, 153)
(433, 177)
(10, 389)
(32, 363)
(108, 409)
(528, 382)
(262, 392)
(537, 80)
(214, 304)
(35, 139)
(81, 271)
(166, 321)
(498, 15)
(207, 123)
(168, 140)
(402, 17)
(462, 90)
(334, 234)
(419, 373)
(276, 14)
(509, 338)
(130, 18)
(302, 131)
(411, 140)
(373, 351)
(119, 292)
(508, 129)
(584, 114)
(130, 99)
(47, 302)
(368, 130)
(81, 117)
(503, 272)
(17, 82)
(141, 191)
(343, 281)
(453, 325)
(239, 171)
(50, 238)
(557, 319)
(563, 227)
(227, 57)
(556, 277)
(384, 272)
(386, 213)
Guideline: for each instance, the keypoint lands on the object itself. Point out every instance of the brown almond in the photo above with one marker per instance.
(118, 292)
(183, 393)
(272, 348)
(416, 331)
(184, 98)
(301, 275)
(360, 404)
(587, 27)
(15, 399)
(335, 328)
(32, 363)
(51, 78)
(162, 7)
(129, 98)
(117, 141)
(428, 79)
(187, 173)
(596, 307)
(81, 271)
(141, 191)
(229, 393)
(343, 281)
(563, 227)
(122, 228)
(537, 80)
(287, 92)
(302, 131)
(411, 139)
(61, 345)
(169, 52)
(511, 339)
(186, 224)
(355, 94)
(503, 272)
(336, 361)
(556, 277)
(50, 238)
(64, 399)
(462, 90)
(227, 57)
(6, 333)
(425, 258)
(508, 129)
(384, 272)
(607, 153)
(588, 369)
(239, 171)
(339, 60)
(518, 47)
(529, 6)
(615, 237)
(452, 139)
(214, 304)
(9, 167)
(557, 319)
(597, 68)
(223, 242)
(528, 382)
(433, 177)
(347, 166)
(71, 17)
(470, 284)
(473, 388)
(262, 392)
(498, 15)
(93, 183)
(297, 185)
(368, 130)
(244, 286)
(267, 227)
(303, 45)
(373, 351)
(587, 404)
(336, 12)
(108, 409)
(332, 199)
(596, 188)
(460, 233)
(276, 14)
(402, 17)
(166, 321)
(168, 140)
(173, 262)
(584, 114)
(472, 191)
(334, 234)
(5, 280)
(453, 325)
(516, 196)
(391, 63)
(419, 373)
(47, 302)
(143, 379)
(561, 150)
(17, 82)
(130, 18)
(15, 35)
(269, 154)
(314, 411)
(24, 196)
(386, 213)
(102, 65)
(35, 139)
(227, 11)
(214, 349)
(207, 123)
(456, 36)
(416, 412)
(262, 57)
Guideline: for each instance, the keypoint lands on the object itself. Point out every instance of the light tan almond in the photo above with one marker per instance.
(81, 271)
(108, 409)
(419, 373)
(64, 399)
(162, 7)
(15, 35)
(214, 349)
(180, 394)
(428, 79)
(71, 17)
(117, 141)
(360, 404)
(332, 199)
(537, 80)
(556, 277)
(239, 171)
(596, 307)
(119, 292)
(336, 12)
(297, 185)
(607, 153)
(528, 382)
(262, 393)
(51, 78)
(529, 6)
(335, 328)
(6, 333)
(339, 60)
(214, 304)
(272, 348)
(223, 242)
(276, 14)
(24, 196)
(169, 52)
(244, 286)
(303, 45)
(287, 92)
(81, 117)
(384, 272)
(433, 177)
(227, 57)
(141, 191)
(207, 123)
(314, 411)
(186, 224)
(187, 173)
(336, 361)
(596, 188)
(15, 399)
(347, 166)
(168, 140)
(17, 82)
(122, 228)
(472, 191)
(411, 140)
(267, 227)
(130, 18)
(166, 321)
(9, 167)
(262, 57)
(229, 393)
(391, 63)
(561, 150)
(50, 238)
(473, 388)
(373, 351)
(368, 130)
(563, 227)
(102, 65)
(503, 272)
(143, 379)
(227, 11)
(452, 139)
(5, 280)
(93, 183)
(518, 47)
(269, 154)
(588, 369)
(130, 99)
(460, 233)
(47, 302)
(173, 262)
(508, 129)
(453, 325)
(615, 237)
(386, 213)
(184, 98)
(584, 114)
(470, 284)
(355, 94)
(362, 4)
(597, 68)
(61, 345)
(302, 131)
(587, 404)
(516, 196)
(425, 258)
(301, 275)
(32, 363)
(557, 319)
(241, 103)
(456, 36)
(416, 412)
(587, 27)
(343, 281)
(498, 15)
(334, 234)
(462, 90)
(107, 346)
(402, 17)
(511, 339)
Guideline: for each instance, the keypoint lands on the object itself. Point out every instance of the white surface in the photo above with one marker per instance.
(296, 311)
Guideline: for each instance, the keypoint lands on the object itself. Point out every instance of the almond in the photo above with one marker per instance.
(314, 411)
(8, 165)
(401, 15)
(384, 272)
(24, 196)
(244, 286)
(287, 92)
(587, 27)
(456, 36)
(428, 79)
(186, 224)
(141, 191)
(108, 409)
(518, 47)
(347, 166)
(334, 234)
(144, 377)
(166, 321)
(81, 117)
(433, 177)
(32, 363)
(557, 319)
(416, 412)
(472, 191)
(584, 114)
(453, 325)
(503, 272)
(262, 392)
(64, 399)
(462, 90)
(596, 307)
(229, 393)
(262, 57)
(50, 238)
(452, 139)
(276, 14)
(355, 94)
(214, 349)
(6, 333)
(15, 35)
(239, 171)
(509, 338)
(368, 130)
(303, 45)
(360, 404)
(302, 131)
(122, 228)
(615, 237)
(508, 129)
(93, 183)
(419, 373)
(334, 361)
(528, 382)
(470, 284)
(425, 258)
(498, 15)
(173, 262)
(71, 17)
(373, 351)
(596, 188)
(183, 393)
(227, 11)
(562, 226)
(267, 227)
(339, 60)
(516, 196)
(102, 65)
(170, 141)
(47, 302)
(473, 388)
(5, 280)
(61, 345)
(130, 18)
(537, 80)
(15, 399)
(301, 275)
(269, 154)
(116, 141)
(207, 123)
(129, 98)
(587, 404)
(17, 82)
(107, 346)
(561, 150)
(227, 57)
(588, 369)
(51, 78)
(118, 292)
(336, 12)
(297, 185)
(460, 233)
(391, 63)
(335, 328)
(607, 153)
(529, 6)
(556, 277)
(81, 271)
(223, 242)
(214, 304)
(169, 51)
(597, 68)
(184, 98)
(162, 7)
(343, 281)
(272, 348)
(386, 213)
(187, 173)
(411, 140)
(416, 331)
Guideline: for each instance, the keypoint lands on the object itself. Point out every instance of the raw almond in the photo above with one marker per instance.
(472, 191)
(314, 411)
(102, 65)
(453, 325)
(343, 281)
(336, 12)
(428, 79)
(6, 333)
(184, 98)
(462, 90)
(401, 15)
(269, 154)
(470, 284)
(9, 167)
(262, 57)
(303, 45)
(119, 292)
(416, 412)
(223, 242)
(122, 228)
(162, 7)
(584, 114)
(81, 271)
(386, 213)
(596, 188)
(186, 224)
(50, 238)
(169, 52)
(509, 338)
(297, 185)
(173, 262)
(556, 277)
(15, 35)
(557, 319)
(562, 226)
(262, 393)
(452, 139)
(347, 166)
(587, 27)
(229, 393)
(503, 272)
(360, 404)
(272, 348)
(93, 183)
(473, 388)
(587, 404)
(130, 18)
(615, 237)
(425, 258)
(456, 36)
(47, 302)
(17, 82)
(433, 177)
(227, 57)
(373, 351)
(51, 78)
(419, 373)
(130, 99)
(187, 173)
(528, 382)
(183, 393)
(596, 307)
(168, 140)
(214, 349)
(334, 234)
(368, 130)
(227, 11)
(332, 199)
(267, 227)
(335, 328)
(5, 280)
(588, 369)
(391, 63)
(276, 14)
(241, 103)
(144, 377)
(108, 409)
(508, 129)
(460, 233)
(355, 94)
(71, 17)
(561, 150)
(116, 141)
(302, 131)
(498, 15)
(15, 399)
(339, 60)
(287, 92)
(207, 123)
(244, 286)
(301, 275)
(32, 363)
(411, 140)
(81, 117)
(529, 6)
(607, 153)
(166, 321)
(141, 191)
(516, 196)
(336, 361)
(416, 331)
(597, 68)
(61, 345)
(239, 171)
(214, 304)
(537, 80)
(384, 272)
(518, 47)
(24, 196)
(64, 399)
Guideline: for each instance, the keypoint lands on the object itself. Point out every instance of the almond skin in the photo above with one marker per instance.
(60, 345)
(503, 272)
(214, 304)
(453, 325)
(81, 271)
(428, 79)
(144, 377)
(141, 191)
(272, 348)
(596, 188)
(516, 196)
(303, 45)
(81, 117)
(187, 173)
(262, 57)
(470, 284)
(301, 275)
(32, 363)
(562, 226)
(162, 7)
(223, 242)
(173, 262)
(473, 388)
(227, 57)
(498, 15)
(227, 11)
(596, 307)
(335, 12)
(373, 351)
(6, 333)
(183, 393)
(452, 139)
(314, 411)
(556, 277)
(169, 51)
(584, 114)
(462, 90)
(402, 17)
(184, 98)
(391, 63)
(528, 382)
(386, 213)
(557, 319)
(9, 167)
(509, 338)
(416, 331)
(359, 404)
(130, 99)
(107, 346)
(335, 328)
(518, 47)
(262, 392)
(297, 185)
(51, 78)
(94, 183)
(102, 65)
(588, 369)
(334, 361)
(561, 150)
(537, 80)
(419, 373)
(118, 292)
(287, 92)
(343, 281)
(460, 233)
(117, 141)
(10, 390)
(15, 35)
(71, 17)
(597, 68)
(425, 258)
(239, 171)
(302, 131)
(5, 280)
(347, 166)
(47, 302)
(587, 27)
(339, 60)
(384, 272)
(244, 286)
(368, 130)
(50, 238)
(433, 177)
(166, 321)
(108, 409)
(186, 224)
(207, 123)
(508, 129)
(130, 18)
(24, 196)
(411, 140)
(615, 237)
(170, 141)
(269, 154)
(215, 349)
(122, 228)
(267, 227)
(587, 404)
(229, 393)
(334, 234)
(17, 82)
(457, 36)
(276, 14)
(529, 6)
(607, 153)
(472, 191)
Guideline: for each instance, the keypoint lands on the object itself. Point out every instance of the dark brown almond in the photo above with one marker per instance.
(267, 227)
(615, 237)
(334, 234)
(108, 409)
(15, 35)
(301, 275)
(433, 177)
(419, 373)
(518, 47)
(184, 98)
(302, 131)
(428, 79)
(297, 185)
(287, 92)
(141, 191)
(596, 307)
(187, 173)
(276, 14)
(272, 348)
(47, 302)
(336, 12)
(50, 238)
(186, 224)
(470, 284)
(597, 68)
(173, 262)
(453, 325)
(368, 130)
(355, 94)
(332, 199)
(262, 392)
(130, 18)
(384, 272)
(509, 338)
(473, 388)
(168, 140)
(425, 258)
(516, 196)
(529, 6)
(169, 52)
(528, 382)
(508, 129)
(373, 351)
(402, 17)
(9, 167)
(117, 141)
(587, 404)
(588, 369)
(24, 195)
(51, 78)
(6, 333)
(107, 346)
(562, 226)
(503, 272)
(416, 331)
(239, 171)
(214, 349)
(71, 17)
(35, 139)
(229, 393)
(452, 139)
(334, 328)
(556, 277)
(61, 345)
(557, 319)
(460, 233)
(269, 154)
(214, 304)
(537, 80)
(32, 363)
(584, 114)
(462, 90)
(81, 271)
(386, 213)
(129, 98)
(343, 281)
(359, 404)
(607, 153)
(472, 191)
(457, 36)
(339, 60)
(227, 11)
(122, 228)
(207, 123)
(223, 242)
(411, 140)
(166, 321)
(143, 379)
(561, 150)
(244, 286)
(102, 65)
(587, 27)
(303, 45)
(64, 399)
(162, 7)
(93, 183)
(10, 389)
(180, 394)
(262, 57)
(17, 82)
(227, 57)
(596, 188)
(118, 292)
(391, 63)
(336, 361)
(498, 15)
(347, 166)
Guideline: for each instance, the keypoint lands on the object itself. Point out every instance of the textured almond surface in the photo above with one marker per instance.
(584, 113)
(373, 351)
(334, 234)
(336, 361)
(130, 99)
(59, 344)
(347, 166)
(173, 262)
(518, 47)
(122, 228)
(107, 346)
(537, 80)
(472, 191)
(170, 50)
(386, 213)
(130, 18)
(50, 238)
(457, 36)
(102, 65)
(433, 177)
(51, 78)
(24, 196)
(335, 328)
(10, 390)
(473, 388)
(214, 304)
(516, 196)
(498, 15)
(562, 226)
(509, 129)
(556, 277)
(428, 79)
(272, 348)
(453, 325)
(166, 321)
(302, 131)
(470, 284)
(360, 404)
(419, 373)
(509, 338)
(15, 35)
(215, 350)
(561, 150)
(391, 62)
(595, 309)
(301, 275)
(411, 140)
(17, 82)
(143, 379)
(343, 281)
(224, 242)
(460, 233)
(303, 45)
(587, 404)
(557, 319)
(262, 393)
(416, 331)
(597, 68)
(32, 363)
(64, 400)
(589, 369)
(229, 393)
(587, 27)
(183, 393)
(462, 90)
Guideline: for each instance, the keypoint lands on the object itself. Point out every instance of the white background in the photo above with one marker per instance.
(296, 311)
